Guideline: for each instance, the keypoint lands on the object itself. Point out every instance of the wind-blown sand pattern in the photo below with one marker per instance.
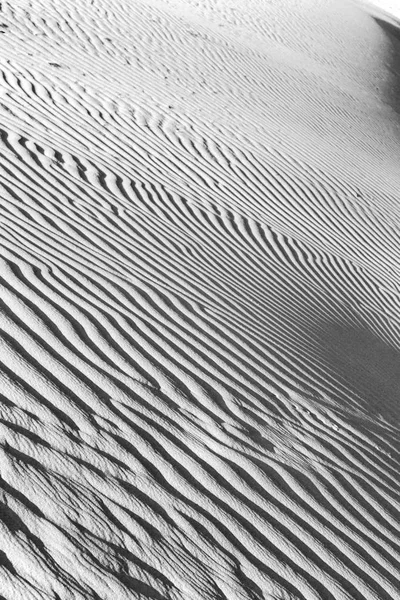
(200, 330)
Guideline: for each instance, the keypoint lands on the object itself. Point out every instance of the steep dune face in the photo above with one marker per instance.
(199, 288)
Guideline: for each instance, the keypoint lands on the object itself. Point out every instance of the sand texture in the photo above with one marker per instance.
(199, 300)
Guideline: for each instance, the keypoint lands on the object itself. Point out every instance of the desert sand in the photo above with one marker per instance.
(200, 291)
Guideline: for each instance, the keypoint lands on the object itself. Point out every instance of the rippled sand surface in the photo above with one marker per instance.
(199, 300)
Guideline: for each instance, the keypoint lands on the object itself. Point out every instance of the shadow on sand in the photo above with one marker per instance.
(391, 89)
(369, 365)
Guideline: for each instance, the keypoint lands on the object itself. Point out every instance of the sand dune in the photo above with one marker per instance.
(199, 271)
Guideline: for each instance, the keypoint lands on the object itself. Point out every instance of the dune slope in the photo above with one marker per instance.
(199, 293)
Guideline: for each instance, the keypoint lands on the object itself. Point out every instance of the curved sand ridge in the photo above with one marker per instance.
(200, 345)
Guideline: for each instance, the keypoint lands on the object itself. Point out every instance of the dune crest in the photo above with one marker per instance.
(199, 288)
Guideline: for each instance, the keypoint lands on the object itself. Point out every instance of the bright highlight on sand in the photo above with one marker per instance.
(199, 301)
(390, 6)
